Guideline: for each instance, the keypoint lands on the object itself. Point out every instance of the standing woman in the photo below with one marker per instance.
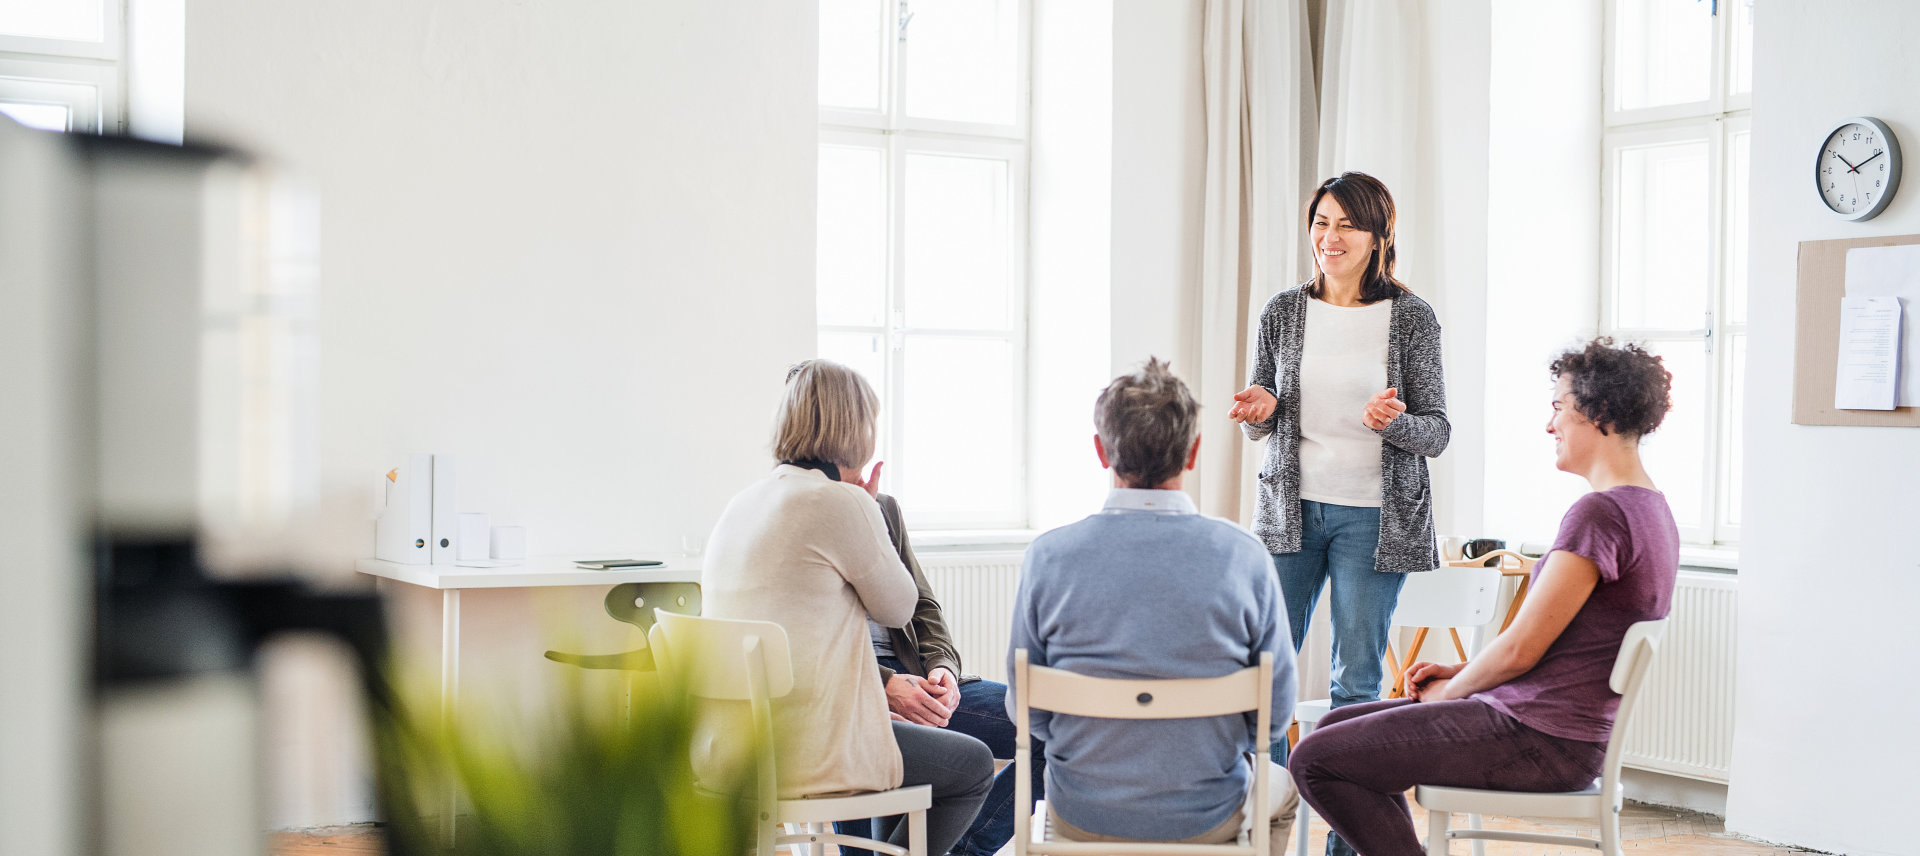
(1348, 391)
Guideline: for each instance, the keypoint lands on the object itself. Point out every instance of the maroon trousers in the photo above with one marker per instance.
(1355, 768)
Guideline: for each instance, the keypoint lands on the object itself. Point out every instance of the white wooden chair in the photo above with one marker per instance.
(736, 660)
(1058, 691)
(1449, 597)
(1599, 803)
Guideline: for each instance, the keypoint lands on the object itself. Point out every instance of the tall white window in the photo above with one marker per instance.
(922, 242)
(1679, 83)
(61, 64)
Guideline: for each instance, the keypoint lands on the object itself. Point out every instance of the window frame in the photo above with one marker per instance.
(58, 71)
(898, 136)
(1716, 121)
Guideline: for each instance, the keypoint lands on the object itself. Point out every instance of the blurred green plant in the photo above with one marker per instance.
(593, 779)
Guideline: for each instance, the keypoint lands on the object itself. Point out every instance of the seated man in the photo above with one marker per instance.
(1149, 588)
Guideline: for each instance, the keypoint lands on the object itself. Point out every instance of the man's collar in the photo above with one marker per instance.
(1138, 499)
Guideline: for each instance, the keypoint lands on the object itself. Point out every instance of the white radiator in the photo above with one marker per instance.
(1684, 726)
(976, 592)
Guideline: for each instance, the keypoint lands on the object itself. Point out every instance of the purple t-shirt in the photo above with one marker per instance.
(1628, 532)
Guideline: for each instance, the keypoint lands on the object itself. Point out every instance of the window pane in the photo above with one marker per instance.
(1662, 246)
(852, 265)
(958, 242)
(1739, 147)
(1732, 442)
(852, 52)
(959, 450)
(46, 117)
(963, 60)
(1675, 454)
(866, 353)
(1661, 52)
(1740, 75)
(81, 20)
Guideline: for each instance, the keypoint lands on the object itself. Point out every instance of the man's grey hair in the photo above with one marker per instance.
(1147, 421)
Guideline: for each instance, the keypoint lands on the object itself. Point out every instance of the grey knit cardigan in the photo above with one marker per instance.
(1407, 541)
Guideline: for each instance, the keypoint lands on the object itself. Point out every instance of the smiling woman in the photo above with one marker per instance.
(1350, 414)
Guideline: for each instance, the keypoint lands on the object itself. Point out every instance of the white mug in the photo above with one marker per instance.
(1451, 547)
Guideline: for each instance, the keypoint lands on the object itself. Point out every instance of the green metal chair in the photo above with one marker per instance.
(635, 604)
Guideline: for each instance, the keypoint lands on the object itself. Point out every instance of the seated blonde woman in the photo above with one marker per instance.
(806, 547)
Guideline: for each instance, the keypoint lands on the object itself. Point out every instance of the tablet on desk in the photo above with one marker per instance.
(611, 564)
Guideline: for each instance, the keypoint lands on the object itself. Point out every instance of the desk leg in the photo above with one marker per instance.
(449, 690)
(1519, 597)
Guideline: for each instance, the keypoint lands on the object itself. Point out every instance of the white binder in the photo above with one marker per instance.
(404, 532)
(445, 535)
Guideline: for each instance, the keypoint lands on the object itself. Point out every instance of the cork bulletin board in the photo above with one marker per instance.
(1816, 336)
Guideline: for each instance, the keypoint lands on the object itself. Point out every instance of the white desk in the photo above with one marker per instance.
(532, 572)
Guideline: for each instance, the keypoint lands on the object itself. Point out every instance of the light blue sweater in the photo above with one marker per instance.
(1149, 588)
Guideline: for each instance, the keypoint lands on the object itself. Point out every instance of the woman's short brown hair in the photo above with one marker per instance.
(1147, 421)
(826, 415)
(1619, 388)
(1370, 207)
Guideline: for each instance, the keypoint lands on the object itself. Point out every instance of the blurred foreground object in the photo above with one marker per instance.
(156, 369)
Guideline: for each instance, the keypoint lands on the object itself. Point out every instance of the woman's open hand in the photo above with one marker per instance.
(1253, 404)
(1382, 409)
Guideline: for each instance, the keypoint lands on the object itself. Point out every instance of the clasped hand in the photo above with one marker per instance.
(1429, 681)
(923, 701)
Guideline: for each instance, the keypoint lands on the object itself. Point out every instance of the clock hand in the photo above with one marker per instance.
(1850, 166)
(1856, 167)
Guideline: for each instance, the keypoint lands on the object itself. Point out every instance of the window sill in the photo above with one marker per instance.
(971, 540)
(1717, 558)
(1692, 556)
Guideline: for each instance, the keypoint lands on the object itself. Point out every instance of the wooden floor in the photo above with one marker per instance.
(1646, 831)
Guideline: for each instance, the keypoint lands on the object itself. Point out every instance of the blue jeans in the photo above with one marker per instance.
(983, 715)
(1337, 543)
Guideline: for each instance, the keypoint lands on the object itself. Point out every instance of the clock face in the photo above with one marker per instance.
(1855, 171)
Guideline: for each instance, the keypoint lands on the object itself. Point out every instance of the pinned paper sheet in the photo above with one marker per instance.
(1889, 272)
(1869, 353)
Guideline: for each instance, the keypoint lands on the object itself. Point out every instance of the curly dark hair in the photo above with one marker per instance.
(1619, 387)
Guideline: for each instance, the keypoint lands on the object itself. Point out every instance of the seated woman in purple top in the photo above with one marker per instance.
(1533, 711)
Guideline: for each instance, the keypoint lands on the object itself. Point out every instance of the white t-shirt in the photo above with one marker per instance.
(1343, 362)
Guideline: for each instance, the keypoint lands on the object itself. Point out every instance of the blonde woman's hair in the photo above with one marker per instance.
(827, 414)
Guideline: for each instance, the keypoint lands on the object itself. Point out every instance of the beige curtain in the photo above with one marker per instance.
(1258, 75)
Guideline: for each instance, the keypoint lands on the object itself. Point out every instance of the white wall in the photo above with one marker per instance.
(570, 243)
(1824, 743)
(1159, 169)
(1447, 256)
(1070, 254)
(1543, 251)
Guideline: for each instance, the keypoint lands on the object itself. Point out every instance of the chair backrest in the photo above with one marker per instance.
(1060, 691)
(635, 603)
(716, 657)
(1448, 597)
(1629, 677)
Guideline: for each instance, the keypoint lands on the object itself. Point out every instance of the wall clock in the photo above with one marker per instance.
(1858, 168)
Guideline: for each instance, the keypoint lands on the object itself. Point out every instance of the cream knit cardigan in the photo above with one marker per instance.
(812, 555)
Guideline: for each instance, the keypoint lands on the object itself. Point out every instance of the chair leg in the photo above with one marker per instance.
(1436, 833)
(1610, 830)
(917, 833)
(1479, 844)
(763, 842)
(1303, 814)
